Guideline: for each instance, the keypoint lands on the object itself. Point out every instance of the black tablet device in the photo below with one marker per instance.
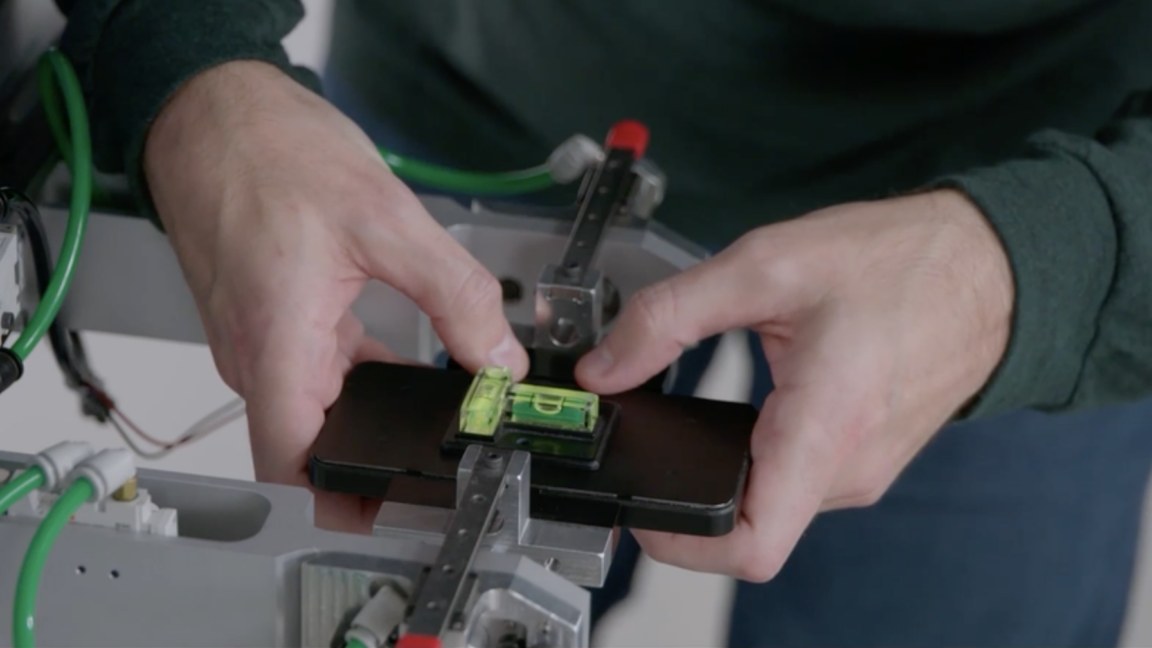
(659, 462)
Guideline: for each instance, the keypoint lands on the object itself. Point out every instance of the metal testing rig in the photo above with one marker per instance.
(501, 500)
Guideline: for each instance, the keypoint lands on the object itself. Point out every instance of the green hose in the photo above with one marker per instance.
(354, 643)
(56, 70)
(24, 607)
(75, 146)
(467, 182)
(19, 486)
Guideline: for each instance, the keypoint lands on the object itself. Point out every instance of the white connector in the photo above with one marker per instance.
(379, 617)
(572, 158)
(107, 472)
(136, 515)
(60, 460)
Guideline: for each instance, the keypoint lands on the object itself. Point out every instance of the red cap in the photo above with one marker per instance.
(418, 641)
(630, 135)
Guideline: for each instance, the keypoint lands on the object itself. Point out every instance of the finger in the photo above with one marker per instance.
(372, 350)
(796, 452)
(345, 513)
(297, 375)
(464, 302)
(659, 322)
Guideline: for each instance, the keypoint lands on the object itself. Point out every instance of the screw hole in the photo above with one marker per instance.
(115, 574)
(81, 570)
(523, 442)
(493, 456)
(512, 290)
(564, 332)
(447, 569)
(479, 499)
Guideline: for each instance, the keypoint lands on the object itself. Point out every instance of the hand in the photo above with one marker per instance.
(280, 209)
(879, 321)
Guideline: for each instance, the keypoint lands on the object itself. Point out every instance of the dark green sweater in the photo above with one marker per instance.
(1038, 109)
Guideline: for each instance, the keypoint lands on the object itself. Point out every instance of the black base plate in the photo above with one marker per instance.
(673, 463)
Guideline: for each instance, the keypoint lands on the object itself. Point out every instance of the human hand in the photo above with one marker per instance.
(879, 320)
(280, 209)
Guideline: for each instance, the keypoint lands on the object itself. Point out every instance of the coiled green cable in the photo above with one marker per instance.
(56, 72)
(74, 144)
(28, 583)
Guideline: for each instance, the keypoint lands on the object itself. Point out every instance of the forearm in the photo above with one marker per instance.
(1076, 219)
(132, 56)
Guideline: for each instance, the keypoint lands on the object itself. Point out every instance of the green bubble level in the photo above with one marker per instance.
(493, 399)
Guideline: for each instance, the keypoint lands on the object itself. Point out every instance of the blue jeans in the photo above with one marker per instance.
(1014, 531)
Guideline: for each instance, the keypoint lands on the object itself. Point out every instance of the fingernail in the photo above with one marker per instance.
(598, 362)
(507, 353)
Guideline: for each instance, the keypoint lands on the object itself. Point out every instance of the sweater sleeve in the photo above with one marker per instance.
(1075, 216)
(132, 55)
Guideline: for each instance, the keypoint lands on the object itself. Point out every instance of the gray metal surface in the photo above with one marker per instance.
(570, 296)
(232, 578)
(581, 554)
(441, 596)
(111, 294)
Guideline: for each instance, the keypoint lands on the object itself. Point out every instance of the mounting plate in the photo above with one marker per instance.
(673, 463)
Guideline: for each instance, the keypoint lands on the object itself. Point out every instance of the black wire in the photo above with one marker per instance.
(67, 347)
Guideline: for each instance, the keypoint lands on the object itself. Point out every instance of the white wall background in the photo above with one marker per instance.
(165, 386)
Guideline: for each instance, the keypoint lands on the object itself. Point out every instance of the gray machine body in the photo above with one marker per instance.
(248, 567)
(110, 294)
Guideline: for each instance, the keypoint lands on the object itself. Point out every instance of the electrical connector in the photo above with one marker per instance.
(11, 279)
(60, 460)
(11, 368)
(379, 618)
(572, 158)
(135, 514)
(107, 471)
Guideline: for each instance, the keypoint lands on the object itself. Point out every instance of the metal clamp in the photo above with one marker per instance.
(579, 553)
(442, 595)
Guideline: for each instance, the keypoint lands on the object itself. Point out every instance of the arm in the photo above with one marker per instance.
(1075, 217)
(132, 56)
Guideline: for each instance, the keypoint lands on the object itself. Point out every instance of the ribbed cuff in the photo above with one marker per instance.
(1054, 220)
(133, 55)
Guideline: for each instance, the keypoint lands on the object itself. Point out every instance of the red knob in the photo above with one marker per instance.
(630, 135)
(418, 641)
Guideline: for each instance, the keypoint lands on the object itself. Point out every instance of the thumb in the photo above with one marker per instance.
(464, 302)
(659, 322)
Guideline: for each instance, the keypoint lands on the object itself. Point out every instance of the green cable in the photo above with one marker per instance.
(24, 607)
(54, 67)
(56, 73)
(354, 643)
(19, 486)
(469, 182)
(50, 97)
